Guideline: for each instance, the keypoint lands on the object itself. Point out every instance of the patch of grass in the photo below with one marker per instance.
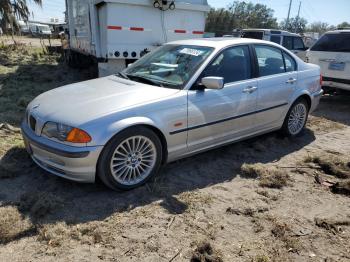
(12, 225)
(342, 187)
(56, 235)
(205, 253)
(331, 165)
(257, 225)
(16, 161)
(282, 231)
(261, 258)
(334, 225)
(270, 177)
(292, 244)
(323, 125)
(40, 204)
(279, 229)
(26, 72)
(195, 199)
(266, 194)
(247, 211)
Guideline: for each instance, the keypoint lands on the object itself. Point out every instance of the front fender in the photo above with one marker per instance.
(103, 136)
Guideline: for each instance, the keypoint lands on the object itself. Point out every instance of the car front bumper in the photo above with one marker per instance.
(74, 163)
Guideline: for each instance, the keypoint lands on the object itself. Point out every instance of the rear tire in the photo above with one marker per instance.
(296, 118)
(130, 159)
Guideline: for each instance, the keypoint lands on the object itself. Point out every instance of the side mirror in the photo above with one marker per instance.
(129, 64)
(213, 82)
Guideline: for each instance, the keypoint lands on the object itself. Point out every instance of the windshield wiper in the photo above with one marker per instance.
(144, 80)
(123, 75)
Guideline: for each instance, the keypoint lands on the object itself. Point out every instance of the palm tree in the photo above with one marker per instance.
(12, 9)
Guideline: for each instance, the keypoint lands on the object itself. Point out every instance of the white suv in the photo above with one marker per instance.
(291, 41)
(332, 53)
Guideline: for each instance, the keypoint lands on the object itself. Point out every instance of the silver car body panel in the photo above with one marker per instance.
(189, 121)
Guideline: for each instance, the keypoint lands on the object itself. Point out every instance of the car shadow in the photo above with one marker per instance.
(74, 203)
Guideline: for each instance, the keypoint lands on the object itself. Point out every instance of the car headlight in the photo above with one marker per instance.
(65, 133)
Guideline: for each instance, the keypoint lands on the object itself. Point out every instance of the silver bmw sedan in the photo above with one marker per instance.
(183, 98)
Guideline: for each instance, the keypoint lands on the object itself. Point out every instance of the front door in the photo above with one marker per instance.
(215, 116)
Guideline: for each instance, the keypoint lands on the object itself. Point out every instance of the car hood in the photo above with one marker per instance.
(79, 103)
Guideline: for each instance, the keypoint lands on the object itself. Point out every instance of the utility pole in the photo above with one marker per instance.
(287, 21)
(297, 19)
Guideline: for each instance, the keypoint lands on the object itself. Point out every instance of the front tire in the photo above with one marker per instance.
(296, 118)
(130, 159)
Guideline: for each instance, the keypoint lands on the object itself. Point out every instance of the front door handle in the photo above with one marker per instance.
(291, 81)
(250, 89)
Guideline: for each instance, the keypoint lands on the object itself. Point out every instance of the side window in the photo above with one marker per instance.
(233, 64)
(298, 44)
(270, 60)
(276, 39)
(290, 63)
(288, 42)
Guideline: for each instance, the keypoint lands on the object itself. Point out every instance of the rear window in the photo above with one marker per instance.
(254, 35)
(288, 42)
(333, 43)
(276, 39)
(298, 44)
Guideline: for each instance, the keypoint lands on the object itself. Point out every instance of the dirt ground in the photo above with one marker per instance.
(256, 200)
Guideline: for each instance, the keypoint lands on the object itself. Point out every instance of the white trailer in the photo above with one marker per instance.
(115, 33)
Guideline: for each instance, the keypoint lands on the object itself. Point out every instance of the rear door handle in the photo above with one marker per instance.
(250, 89)
(291, 81)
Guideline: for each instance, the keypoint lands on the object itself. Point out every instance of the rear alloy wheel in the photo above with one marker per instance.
(296, 118)
(130, 159)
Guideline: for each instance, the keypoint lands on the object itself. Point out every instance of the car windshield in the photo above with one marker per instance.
(339, 42)
(168, 66)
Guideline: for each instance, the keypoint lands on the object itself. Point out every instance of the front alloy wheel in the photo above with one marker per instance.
(133, 160)
(130, 159)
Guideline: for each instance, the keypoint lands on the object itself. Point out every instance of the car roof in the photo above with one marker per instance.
(272, 31)
(338, 31)
(220, 42)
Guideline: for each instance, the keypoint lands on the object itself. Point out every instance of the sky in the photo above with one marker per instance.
(331, 11)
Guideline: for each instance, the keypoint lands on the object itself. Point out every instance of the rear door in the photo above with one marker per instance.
(332, 53)
(276, 83)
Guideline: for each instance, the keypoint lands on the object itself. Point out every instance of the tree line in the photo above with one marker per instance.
(13, 10)
(241, 15)
(237, 15)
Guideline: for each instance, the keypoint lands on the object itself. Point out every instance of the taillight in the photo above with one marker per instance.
(321, 80)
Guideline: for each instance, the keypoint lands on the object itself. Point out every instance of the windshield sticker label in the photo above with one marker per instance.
(190, 51)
